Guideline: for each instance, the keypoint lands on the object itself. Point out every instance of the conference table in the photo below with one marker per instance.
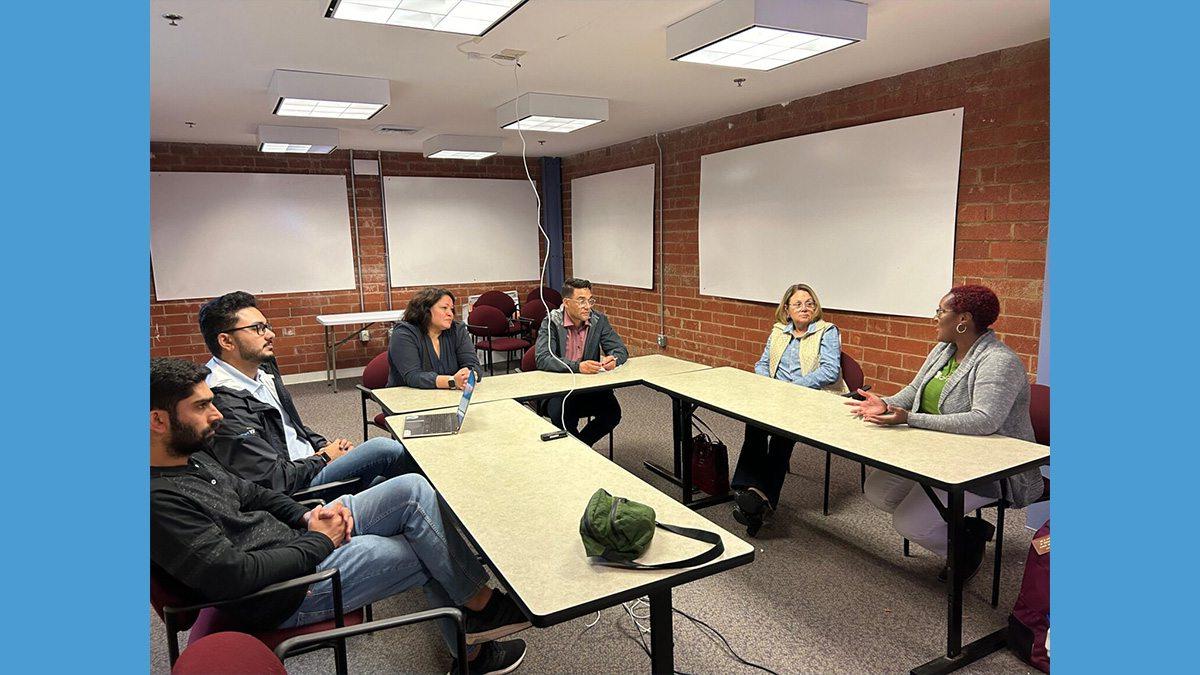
(364, 319)
(519, 501)
(532, 385)
(951, 462)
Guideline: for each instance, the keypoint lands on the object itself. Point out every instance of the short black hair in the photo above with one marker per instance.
(569, 286)
(172, 380)
(220, 314)
(417, 312)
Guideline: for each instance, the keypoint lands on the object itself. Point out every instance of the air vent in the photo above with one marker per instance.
(393, 129)
(508, 55)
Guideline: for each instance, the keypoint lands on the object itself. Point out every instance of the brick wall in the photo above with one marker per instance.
(299, 344)
(1001, 233)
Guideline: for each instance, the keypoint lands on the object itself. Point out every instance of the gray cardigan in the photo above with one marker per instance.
(552, 337)
(987, 394)
(410, 355)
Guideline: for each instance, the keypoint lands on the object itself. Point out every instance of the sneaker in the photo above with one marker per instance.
(750, 509)
(499, 618)
(979, 532)
(495, 658)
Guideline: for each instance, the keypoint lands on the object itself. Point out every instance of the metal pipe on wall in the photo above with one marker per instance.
(387, 255)
(362, 307)
(662, 291)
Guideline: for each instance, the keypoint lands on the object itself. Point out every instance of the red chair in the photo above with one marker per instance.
(553, 297)
(533, 312)
(375, 376)
(491, 325)
(233, 653)
(500, 300)
(852, 375)
(180, 610)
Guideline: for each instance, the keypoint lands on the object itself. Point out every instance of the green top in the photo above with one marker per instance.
(933, 390)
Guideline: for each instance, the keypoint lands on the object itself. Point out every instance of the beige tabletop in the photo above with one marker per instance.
(818, 416)
(521, 499)
(398, 400)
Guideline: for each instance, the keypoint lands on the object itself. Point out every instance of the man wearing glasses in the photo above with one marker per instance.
(579, 339)
(262, 439)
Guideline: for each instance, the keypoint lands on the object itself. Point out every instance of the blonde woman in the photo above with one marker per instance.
(802, 349)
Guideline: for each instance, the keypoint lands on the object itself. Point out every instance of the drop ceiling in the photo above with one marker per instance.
(214, 68)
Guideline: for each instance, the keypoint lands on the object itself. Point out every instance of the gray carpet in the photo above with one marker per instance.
(823, 595)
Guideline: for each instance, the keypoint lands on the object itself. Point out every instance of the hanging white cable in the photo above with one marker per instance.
(546, 259)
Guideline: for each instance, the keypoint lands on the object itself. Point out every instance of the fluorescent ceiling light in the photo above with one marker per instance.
(296, 139)
(469, 17)
(766, 34)
(447, 146)
(345, 97)
(551, 112)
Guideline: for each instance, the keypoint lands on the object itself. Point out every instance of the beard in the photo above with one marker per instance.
(186, 441)
(251, 356)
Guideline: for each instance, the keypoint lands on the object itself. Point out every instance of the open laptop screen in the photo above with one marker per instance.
(466, 398)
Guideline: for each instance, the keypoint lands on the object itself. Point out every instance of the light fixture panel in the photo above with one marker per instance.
(553, 113)
(449, 146)
(311, 140)
(766, 34)
(345, 97)
(467, 17)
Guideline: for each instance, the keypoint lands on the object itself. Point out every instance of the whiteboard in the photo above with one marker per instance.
(460, 230)
(865, 215)
(211, 233)
(612, 227)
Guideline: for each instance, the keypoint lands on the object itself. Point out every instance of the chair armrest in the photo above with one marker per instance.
(452, 613)
(857, 396)
(305, 580)
(367, 393)
(314, 490)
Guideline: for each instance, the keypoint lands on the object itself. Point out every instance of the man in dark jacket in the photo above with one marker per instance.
(224, 537)
(263, 439)
(577, 338)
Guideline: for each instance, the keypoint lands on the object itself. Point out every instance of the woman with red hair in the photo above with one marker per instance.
(971, 383)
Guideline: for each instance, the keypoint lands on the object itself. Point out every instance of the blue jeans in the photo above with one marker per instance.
(371, 462)
(399, 541)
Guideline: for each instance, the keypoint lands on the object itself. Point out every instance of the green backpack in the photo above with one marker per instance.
(616, 530)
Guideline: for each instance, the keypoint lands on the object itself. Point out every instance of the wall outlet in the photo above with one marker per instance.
(365, 335)
(289, 332)
(662, 340)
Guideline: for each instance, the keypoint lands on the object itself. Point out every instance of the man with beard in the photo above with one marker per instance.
(263, 439)
(225, 537)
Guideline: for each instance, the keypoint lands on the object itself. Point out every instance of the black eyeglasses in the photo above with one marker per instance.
(258, 328)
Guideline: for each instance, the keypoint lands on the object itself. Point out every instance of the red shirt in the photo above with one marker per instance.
(576, 337)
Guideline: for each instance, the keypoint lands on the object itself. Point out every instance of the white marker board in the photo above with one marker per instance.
(612, 227)
(865, 215)
(460, 230)
(211, 233)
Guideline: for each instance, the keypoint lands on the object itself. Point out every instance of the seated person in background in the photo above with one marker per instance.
(224, 537)
(801, 349)
(971, 383)
(263, 439)
(429, 349)
(577, 338)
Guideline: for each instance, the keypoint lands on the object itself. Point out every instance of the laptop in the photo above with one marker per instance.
(419, 425)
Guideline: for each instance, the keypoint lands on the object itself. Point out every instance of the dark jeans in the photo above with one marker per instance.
(763, 463)
(601, 406)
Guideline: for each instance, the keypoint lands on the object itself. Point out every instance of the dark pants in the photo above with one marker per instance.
(601, 406)
(763, 463)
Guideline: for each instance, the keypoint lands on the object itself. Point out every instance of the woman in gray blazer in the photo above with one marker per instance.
(429, 349)
(971, 383)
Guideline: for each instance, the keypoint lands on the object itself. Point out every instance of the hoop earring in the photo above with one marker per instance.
(961, 328)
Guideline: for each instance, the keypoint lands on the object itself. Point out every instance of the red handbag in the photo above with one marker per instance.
(710, 461)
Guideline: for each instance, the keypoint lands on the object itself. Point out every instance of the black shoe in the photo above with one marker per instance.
(499, 618)
(978, 533)
(495, 658)
(750, 509)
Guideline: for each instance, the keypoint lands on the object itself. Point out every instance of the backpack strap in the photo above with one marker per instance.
(717, 548)
(704, 427)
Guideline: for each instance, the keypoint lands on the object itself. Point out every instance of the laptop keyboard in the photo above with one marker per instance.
(436, 424)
